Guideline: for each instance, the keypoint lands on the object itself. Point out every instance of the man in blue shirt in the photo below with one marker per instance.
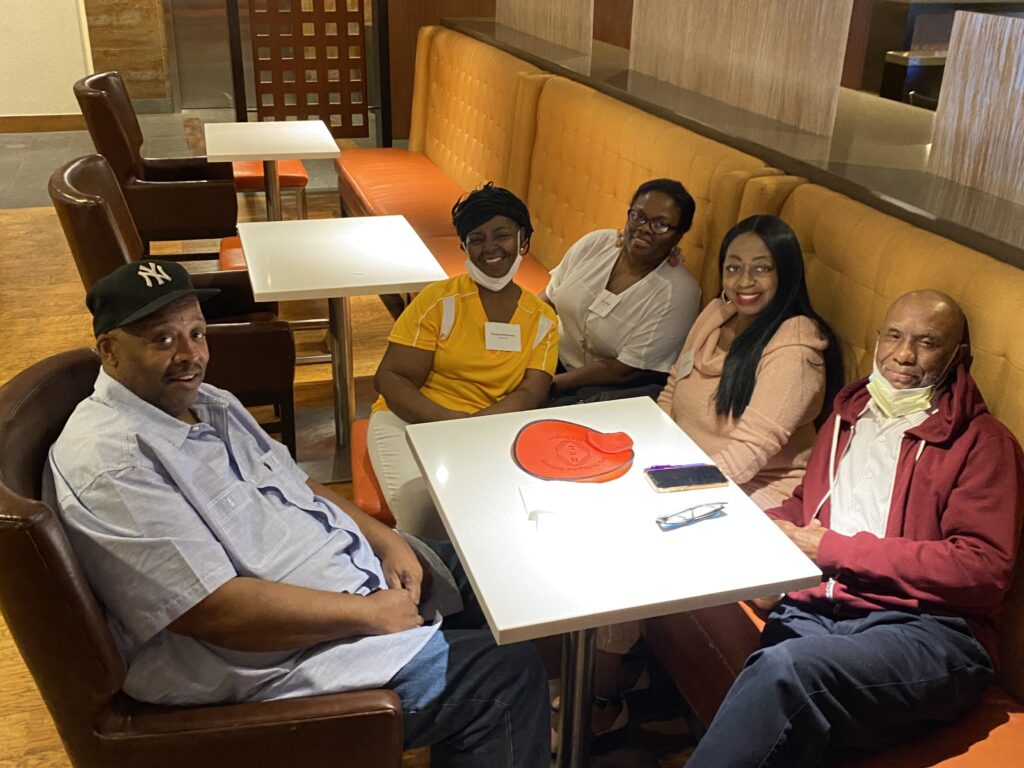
(229, 576)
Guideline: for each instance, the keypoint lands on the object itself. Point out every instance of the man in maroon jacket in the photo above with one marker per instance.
(911, 506)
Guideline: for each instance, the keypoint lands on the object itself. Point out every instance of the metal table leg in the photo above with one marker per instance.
(324, 433)
(342, 369)
(272, 184)
(574, 713)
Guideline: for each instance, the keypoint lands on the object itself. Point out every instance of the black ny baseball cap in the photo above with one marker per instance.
(137, 290)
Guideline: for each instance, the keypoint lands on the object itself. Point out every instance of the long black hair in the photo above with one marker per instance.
(739, 373)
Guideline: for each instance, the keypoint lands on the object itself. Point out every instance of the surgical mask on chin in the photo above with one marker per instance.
(897, 403)
(493, 283)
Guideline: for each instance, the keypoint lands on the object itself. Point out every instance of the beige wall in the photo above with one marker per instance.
(44, 48)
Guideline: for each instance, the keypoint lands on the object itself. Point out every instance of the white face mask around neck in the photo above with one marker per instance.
(493, 283)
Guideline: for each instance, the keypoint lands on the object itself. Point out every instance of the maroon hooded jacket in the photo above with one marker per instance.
(954, 523)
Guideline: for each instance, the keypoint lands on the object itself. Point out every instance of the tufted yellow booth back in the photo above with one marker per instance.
(592, 151)
(468, 101)
(859, 260)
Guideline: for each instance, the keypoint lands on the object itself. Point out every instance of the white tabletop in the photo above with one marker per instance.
(329, 258)
(287, 140)
(605, 560)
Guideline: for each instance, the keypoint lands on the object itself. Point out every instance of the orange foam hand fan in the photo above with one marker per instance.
(560, 450)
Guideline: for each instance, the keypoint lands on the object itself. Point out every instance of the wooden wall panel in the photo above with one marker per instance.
(778, 58)
(979, 125)
(566, 22)
(405, 17)
(128, 36)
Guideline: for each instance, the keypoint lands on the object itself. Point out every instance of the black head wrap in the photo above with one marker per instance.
(482, 205)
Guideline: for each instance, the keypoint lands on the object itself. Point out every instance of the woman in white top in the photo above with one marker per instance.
(625, 300)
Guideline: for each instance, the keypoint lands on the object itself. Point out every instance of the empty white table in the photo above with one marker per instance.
(592, 554)
(335, 259)
(270, 142)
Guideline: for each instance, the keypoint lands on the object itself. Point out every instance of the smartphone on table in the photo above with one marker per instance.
(685, 477)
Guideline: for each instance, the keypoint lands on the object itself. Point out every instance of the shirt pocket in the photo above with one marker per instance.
(249, 534)
(275, 473)
(278, 473)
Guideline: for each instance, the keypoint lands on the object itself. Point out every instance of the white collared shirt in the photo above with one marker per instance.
(644, 326)
(862, 494)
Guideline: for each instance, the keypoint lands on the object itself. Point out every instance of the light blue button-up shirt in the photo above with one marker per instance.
(162, 513)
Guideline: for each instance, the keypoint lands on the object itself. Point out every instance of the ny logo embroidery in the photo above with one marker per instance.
(151, 272)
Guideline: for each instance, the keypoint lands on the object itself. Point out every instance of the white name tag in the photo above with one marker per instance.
(502, 337)
(605, 303)
(684, 365)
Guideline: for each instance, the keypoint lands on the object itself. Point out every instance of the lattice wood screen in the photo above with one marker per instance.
(309, 57)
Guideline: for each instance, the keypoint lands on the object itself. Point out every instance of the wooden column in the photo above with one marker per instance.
(613, 21)
(778, 58)
(979, 125)
(405, 17)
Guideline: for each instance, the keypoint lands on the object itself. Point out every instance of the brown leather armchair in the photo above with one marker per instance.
(63, 637)
(102, 234)
(256, 363)
(170, 199)
(253, 357)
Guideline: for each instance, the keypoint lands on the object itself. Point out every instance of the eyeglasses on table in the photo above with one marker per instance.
(691, 515)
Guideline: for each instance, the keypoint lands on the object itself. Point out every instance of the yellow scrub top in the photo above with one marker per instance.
(466, 376)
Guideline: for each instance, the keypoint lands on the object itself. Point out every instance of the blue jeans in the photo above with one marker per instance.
(819, 684)
(474, 702)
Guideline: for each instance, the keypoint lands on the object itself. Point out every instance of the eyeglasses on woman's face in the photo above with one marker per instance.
(638, 218)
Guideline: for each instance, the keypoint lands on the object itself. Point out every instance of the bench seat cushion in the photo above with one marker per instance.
(704, 650)
(993, 734)
(389, 181)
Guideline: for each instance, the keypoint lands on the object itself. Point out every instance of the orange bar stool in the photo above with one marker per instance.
(293, 175)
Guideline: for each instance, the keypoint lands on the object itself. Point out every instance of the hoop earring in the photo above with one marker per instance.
(724, 299)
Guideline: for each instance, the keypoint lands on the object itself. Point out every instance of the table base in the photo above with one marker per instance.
(574, 711)
(272, 186)
(342, 368)
(320, 456)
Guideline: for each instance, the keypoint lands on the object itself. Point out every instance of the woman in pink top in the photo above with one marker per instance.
(759, 367)
(757, 370)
